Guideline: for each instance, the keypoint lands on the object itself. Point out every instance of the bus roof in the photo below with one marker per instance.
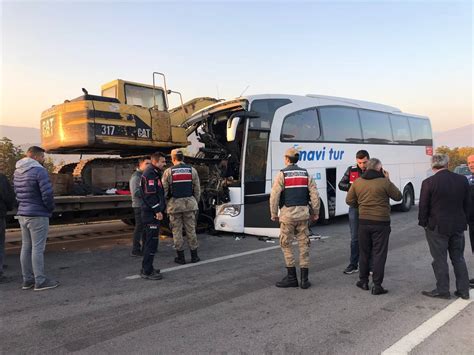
(312, 99)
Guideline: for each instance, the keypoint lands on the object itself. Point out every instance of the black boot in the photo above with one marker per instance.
(194, 256)
(290, 280)
(304, 278)
(180, 258)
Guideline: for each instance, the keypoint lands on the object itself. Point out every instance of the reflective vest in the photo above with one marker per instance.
(181, 181)
(354, 174)
(295, 191)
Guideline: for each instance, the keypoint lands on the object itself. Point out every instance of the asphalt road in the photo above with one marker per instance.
(230, 306)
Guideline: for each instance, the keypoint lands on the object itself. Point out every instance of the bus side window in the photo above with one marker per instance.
(340, 124)
(375, 127)
(301, 126)
(401, 129)
(420, 131)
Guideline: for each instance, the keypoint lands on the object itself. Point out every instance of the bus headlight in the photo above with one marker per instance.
(230, 210)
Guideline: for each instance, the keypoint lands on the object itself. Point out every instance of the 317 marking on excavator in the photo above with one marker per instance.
(107, 130)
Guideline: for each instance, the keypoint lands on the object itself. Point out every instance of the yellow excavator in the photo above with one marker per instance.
(128, 119)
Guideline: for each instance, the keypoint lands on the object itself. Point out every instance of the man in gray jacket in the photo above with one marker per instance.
(137, 201)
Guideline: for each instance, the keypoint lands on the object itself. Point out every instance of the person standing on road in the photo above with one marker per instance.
(372, 193)
(34, 193)
(294, 192)
(352, 173)
(153, 208)
(135, 190)
(470, 219)
(7, 200)
(443, 210)
(182, 190)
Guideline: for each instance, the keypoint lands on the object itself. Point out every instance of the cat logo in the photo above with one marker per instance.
(143, 132)
(47, 126)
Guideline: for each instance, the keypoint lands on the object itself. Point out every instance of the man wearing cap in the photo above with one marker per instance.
(182, 191)
(294, 192)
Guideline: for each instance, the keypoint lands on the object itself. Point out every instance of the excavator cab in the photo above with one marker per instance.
(127, 119)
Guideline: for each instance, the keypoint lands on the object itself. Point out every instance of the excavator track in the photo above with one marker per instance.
(82, 172)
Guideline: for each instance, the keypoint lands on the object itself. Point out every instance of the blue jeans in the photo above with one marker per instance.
(354, 228)
(34, 232)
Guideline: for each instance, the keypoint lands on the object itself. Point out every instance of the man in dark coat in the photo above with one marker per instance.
(353, 173)
(443, 211)
(470, 219)
(153, 209)
(7, 198)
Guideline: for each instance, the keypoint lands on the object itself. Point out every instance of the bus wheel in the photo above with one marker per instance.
(408, 199)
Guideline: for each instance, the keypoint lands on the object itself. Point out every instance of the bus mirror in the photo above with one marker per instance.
(232, 124)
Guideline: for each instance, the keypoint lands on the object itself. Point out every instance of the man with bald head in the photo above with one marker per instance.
(442, 212)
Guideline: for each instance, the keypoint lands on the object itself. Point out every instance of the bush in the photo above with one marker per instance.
(457, 156)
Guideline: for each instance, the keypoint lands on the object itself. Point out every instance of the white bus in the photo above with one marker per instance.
(256, 130)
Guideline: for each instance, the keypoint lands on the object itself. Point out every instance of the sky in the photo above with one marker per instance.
(416, 56)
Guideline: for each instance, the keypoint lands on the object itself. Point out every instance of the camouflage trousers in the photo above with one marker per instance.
(188, 221)
(289, 231)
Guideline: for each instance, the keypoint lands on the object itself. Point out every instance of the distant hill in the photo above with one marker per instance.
(457, 137)
(21, 135)
(25, 137)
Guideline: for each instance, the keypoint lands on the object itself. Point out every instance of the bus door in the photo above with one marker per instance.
(256, 191)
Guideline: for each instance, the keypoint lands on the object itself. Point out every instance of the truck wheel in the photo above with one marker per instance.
(408, 199)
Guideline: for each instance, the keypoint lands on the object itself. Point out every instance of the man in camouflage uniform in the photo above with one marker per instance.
(295, 193)
(182, 190)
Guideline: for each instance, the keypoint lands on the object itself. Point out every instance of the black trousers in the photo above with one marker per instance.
(471, 235)
(152, 235)
(440, 245)
(139, 231)
(373, 241)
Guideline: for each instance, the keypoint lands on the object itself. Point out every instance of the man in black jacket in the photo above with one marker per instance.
(153, 208)
(443, 209)
(352, 173)
(470, 219)
(7, 199)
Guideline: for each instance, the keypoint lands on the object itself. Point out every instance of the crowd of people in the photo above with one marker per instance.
(446, 208)
(174, 193)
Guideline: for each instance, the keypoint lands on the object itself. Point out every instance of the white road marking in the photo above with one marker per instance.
(313, 237)
(210, 261)
(418, 335)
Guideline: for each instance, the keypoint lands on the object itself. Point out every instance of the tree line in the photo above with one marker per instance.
(11, 153)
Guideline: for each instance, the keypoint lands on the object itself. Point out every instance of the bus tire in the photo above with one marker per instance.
(408, 199)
